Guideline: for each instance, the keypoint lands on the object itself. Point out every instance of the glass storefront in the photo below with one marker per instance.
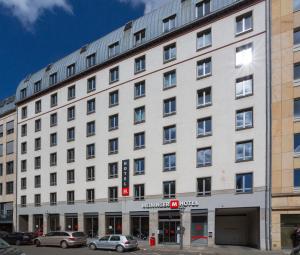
(38, 224)
(199, 227)
(91, 224)
(71, 222)
(288, 225)
(169, 225)
(113, 224)
(139, 225)
(53, 221)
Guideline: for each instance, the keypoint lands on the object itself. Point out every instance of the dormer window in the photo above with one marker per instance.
(71, 70)
(53, 79)
(37, 86)
(91, 60)
(203, 8)
(113, 49)
(169, 23)
(23, 93)
(140, 37)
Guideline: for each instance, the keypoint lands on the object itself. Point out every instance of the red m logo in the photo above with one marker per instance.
(174, 204)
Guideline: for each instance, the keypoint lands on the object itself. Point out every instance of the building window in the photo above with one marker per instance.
(38, 125)
(1, 150)
(204, 39)
(53, 100)
(169, 162)
(90, 151)
(204, 68)
(244, 183)
(24, 112)
(204, 187)
(71, 70)
(1, 169)
(23, 165)
(91, 60)
(53, 79)
(169, 23)
(1, 130)
(296, 5)
(244, 55)
(10, 128)
(70, 197)
(139, 192)
(204, 97)
(170, 79)
(139, 115)
(139, 141)
(71, 92)
(91, 106)
(244, 151)
(204, 157)
(297, 109)
(9, 167)
(37, 86)
(113, 146)
(204, 127)
(1, 189)
(23, 93)
(37, 163)
(53, 139)
(10, 148)
(70, 176)
(244, 23)
(113, 170)
(169, 106)
(71, 134)
(113, 98)
(53, 159)
(297, 36)
(244, 87)
(90, 128)
(24, 148)
(114, 75)
(112, 194)
(140, 64)
(38, 106)
(297, 143)
(113, 49)
(297, 71)
(169, 189)
(90, 196)
(53, 179)
(37, 144)
(37, 181)
(71, 113)
(139, 166)
(113, 122)
(139, 89)
(23, 201)
(70, 155)
(37, 200)
(297, 179)
(53, 198)
(170, 52)
(91, 84)
(140, 37)
(244, 119)
(9, 188)
(53, 119)
(169, 134)
(203, 8)
(90, 173)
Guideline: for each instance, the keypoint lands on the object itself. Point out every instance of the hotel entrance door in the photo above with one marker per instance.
(169, 224)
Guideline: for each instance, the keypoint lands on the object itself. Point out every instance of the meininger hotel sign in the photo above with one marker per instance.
(166, 204)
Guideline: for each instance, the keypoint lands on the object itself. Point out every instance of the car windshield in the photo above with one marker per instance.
(129, 238)
(78, 234)
(3, 244)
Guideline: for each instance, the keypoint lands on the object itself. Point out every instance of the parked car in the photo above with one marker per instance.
(3, 233)
(18, 238)
(119, 243)
(6, 249)
(63, 239)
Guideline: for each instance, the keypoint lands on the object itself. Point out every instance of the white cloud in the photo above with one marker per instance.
(28, 11)
(150, 5)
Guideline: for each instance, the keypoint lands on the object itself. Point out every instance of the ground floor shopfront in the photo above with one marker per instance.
(232, 225)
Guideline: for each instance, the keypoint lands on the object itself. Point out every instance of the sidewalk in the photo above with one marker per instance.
(217, 250)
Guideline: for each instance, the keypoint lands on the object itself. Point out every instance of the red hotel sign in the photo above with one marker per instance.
(174, 204)
(125, 178)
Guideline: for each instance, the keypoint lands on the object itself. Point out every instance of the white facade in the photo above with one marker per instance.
(223, 140)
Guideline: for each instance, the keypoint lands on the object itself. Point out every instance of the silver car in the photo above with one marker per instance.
(63, 239)
(119, 243)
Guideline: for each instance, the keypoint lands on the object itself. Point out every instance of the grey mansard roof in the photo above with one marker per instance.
(7, 105)
(153, 25)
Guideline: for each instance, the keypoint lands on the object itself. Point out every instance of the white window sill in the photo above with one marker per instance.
(296, 154)
(297, 82)
(296, 119)
(296, 47)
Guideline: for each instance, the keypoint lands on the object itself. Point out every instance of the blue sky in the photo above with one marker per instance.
(33, 36)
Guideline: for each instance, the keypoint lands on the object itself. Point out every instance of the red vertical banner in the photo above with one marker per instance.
(125, 178)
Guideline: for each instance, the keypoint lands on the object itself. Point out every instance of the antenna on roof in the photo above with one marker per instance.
(84, 48)
(48, 67)
(128, 26)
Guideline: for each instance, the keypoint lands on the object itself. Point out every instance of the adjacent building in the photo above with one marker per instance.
(170, 106)
(8, 162)
(285, 121)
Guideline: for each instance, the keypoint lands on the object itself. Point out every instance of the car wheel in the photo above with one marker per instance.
(64, 245)
(37, 243)
(18, 242)
(92, 247)
(120, 248)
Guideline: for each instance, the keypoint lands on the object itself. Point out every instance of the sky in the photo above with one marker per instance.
(35, 33)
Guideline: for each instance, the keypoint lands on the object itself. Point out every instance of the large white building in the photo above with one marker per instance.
(181, 95)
